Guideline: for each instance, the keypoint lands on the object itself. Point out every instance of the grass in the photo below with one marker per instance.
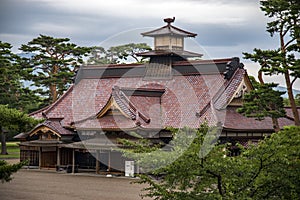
(13, 151)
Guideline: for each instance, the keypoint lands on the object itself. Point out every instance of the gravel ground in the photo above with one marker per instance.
(49, 185)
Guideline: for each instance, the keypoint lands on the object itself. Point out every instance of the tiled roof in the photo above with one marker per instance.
(227, 91)
(177, 107)
(108, 122)
(181, 53)
(169, 30)
(56, 126)
(53, 124)
(185, 100)
(236, 121)
(60, 109)
(158, 71)
(39, 113)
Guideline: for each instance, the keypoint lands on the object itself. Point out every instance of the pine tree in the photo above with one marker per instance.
(52, 65)
(263, 102)
(6, 170)
(12, 90)
(284, 16)
(117, 54)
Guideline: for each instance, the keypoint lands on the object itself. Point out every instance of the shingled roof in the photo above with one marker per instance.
(169, 30)
(184, 95)
(196, 92)
(237, 122)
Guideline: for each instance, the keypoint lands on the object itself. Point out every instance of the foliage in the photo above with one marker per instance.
(6, 170)
(123, 52)
(99, 56)
(286, 102)
(269, 170)
(263, 102)
(13, 119)
(277, 165)
(284, 15)
(12, 90)
(53, 64)
(117, 54)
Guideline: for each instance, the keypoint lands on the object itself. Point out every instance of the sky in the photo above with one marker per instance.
(225, 28)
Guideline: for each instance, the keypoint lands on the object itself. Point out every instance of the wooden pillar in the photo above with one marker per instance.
(97, 162)
(73, 161)
(40, 157)
(58, 156)
(108, 167)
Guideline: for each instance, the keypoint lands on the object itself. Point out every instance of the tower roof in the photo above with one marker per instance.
(169, 30)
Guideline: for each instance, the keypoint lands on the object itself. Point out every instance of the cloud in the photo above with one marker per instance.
(225, 28)
(212, 12)
(104, 18)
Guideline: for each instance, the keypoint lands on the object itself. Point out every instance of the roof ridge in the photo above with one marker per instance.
(134, 107)
(118, 99)
(221, 90)
(39, 110)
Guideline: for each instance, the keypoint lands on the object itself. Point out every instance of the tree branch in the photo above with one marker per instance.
(285, 32)
(219, 177)
(254, 177)
(289, 42)
(293, 81)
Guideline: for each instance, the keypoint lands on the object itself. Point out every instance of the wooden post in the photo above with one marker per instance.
(108, 169)
(58, 157)
(97, 162)
(73, 162)
(40, 157)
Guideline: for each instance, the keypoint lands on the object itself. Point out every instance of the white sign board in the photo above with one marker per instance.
(129, 168)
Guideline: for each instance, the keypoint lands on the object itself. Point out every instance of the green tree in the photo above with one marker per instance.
(52, 65)
(297, 101)
(12, 90)
(12, 119)
(285, 23)
(276, 165)
(126, 51)
(117, 54)
(269, 170)
(6, 170)
(263, 102)
(98, 56)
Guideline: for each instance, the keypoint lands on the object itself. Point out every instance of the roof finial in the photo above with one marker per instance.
(169, 20)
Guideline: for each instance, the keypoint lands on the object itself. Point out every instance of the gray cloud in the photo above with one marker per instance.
(225, 28)
(29, 18)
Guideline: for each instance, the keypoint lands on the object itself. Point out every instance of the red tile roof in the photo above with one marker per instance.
(226, 93)
(236, 121)
(187, 100)
(177, 107)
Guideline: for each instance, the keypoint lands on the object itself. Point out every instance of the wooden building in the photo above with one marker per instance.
(130, 101)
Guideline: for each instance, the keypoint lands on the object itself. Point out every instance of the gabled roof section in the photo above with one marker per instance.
(116, 104)
(226, 94)
(119, 100)
(53, 126)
